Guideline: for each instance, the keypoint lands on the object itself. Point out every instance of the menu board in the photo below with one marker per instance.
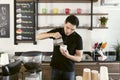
(25, 22)
(4, 21)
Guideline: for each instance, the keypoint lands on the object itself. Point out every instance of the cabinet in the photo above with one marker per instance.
(46, 71)
(89, 14)
(113, 69)
(80, 66)
(25, 21)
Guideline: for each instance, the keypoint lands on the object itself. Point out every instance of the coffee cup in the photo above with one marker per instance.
(67, 11)
(44, 10)
(78, 11)
(64, 47)
(55, 10)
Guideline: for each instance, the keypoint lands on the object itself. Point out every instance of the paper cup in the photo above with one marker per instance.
(63, 47)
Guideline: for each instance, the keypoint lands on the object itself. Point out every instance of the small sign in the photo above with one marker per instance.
(4, 21)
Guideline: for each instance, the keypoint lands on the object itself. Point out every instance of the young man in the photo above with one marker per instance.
(62, 62)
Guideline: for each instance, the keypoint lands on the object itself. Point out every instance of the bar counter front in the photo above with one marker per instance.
(112, 65)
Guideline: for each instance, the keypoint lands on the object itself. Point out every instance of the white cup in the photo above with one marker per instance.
(63, 47)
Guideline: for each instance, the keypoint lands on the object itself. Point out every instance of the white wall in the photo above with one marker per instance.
(109, 35)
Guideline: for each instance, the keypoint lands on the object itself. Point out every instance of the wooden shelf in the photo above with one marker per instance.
(100, 13)
(100, 27)
(66, 1)
(62, 14)
(80, 27)
(25, 0)
(48, 27)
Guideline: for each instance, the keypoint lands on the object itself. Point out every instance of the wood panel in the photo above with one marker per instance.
(113, 69)
(46, 71)
(80, 67)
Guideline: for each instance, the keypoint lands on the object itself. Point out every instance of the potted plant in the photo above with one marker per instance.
(117, 49)
(103, 21)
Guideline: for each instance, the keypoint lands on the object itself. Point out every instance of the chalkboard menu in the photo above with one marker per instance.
(24, 22)
(4, 21)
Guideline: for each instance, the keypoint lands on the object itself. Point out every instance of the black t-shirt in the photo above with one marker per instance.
(73, 42)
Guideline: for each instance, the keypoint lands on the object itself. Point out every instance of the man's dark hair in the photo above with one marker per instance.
(73, 20)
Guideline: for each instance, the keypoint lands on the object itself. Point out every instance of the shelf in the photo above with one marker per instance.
(48, 27)
(100, 27)
(62, 14)
(80, 27)
(25, 0)
(66, 1)
(100, 13)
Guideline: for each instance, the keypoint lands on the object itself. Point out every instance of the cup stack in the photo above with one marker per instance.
(94, 75)
(104, 73)
(86, 74)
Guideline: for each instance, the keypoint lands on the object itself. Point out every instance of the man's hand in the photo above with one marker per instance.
(56, 35)
(64, 52)
(77, 57)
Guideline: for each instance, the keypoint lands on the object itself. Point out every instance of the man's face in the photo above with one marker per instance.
(69, 28)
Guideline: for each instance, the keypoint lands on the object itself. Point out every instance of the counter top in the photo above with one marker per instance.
(87, 57)
(90, 62)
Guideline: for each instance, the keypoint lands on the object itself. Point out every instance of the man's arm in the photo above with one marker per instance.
(45, 35)
(77, 57)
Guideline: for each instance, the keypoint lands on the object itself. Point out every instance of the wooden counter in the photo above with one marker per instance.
(113, 68)
(46, 71)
